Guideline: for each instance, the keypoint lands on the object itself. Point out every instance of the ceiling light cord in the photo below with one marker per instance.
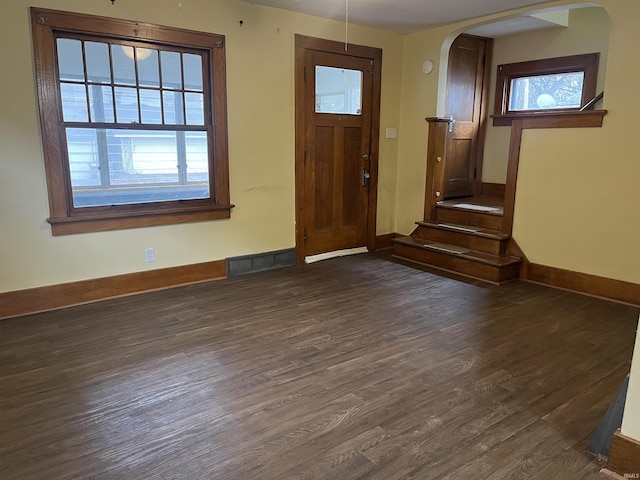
(346, 25)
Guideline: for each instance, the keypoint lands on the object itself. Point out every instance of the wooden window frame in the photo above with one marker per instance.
(587, 63)
(64, 217)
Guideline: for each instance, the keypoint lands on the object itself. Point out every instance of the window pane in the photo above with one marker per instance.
(101, 103)
(338, 90)
(84, 163)
(150, 106)
(171, 70)
(192, 71)
(173, 111)
(124, 71)
(197, 157)
(148, 70)
(141, 166)
(127, 105)
(74, 102)
(70, 61)
(542, 92)
(98, 66)
(195, 108)
(138, 157)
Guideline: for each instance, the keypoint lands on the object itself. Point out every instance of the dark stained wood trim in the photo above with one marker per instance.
(624, 457)
(484, 115)
(512, 176)
(303, 43)
(493, 190)
(33, 300)
(573, 119)
(386, 240)
(73, 225)
(436, 149)
(514, 250)
(601, 287)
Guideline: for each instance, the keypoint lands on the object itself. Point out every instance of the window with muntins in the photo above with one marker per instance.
(134, 122)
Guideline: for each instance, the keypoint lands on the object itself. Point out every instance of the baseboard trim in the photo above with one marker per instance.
(493, 190)
(624, 458)
(601, 287)
(34, 300)
(386, 240)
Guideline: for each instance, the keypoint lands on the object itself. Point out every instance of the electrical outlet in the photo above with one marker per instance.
(149, 255)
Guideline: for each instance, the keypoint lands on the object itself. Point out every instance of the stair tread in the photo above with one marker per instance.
(487, 258)
(471, 207)
(468, 229)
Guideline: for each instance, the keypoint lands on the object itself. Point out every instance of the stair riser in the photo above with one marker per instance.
(456, 264)
(462, 217)
(467, 240)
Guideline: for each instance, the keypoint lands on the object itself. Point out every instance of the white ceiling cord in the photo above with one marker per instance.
(346, 25)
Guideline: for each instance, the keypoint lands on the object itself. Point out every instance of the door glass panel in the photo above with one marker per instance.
(338, 90)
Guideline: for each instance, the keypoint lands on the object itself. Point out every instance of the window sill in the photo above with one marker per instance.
(102, 223)
(558, 119)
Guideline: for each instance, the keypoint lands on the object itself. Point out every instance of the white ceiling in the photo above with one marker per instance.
(404, 16)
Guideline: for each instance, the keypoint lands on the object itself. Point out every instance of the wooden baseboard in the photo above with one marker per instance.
(493, 190)
(616, 290)
(386, 240)
(33, 300)
(624, 457)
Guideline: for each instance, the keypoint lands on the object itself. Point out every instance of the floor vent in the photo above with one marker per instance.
(260, 262)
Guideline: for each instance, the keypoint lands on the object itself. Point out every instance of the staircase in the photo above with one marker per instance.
(465, 238)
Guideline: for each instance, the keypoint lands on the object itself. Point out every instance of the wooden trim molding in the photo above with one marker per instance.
(386, 240)
(610, 289)
(33, 300)
(493, 190)
(624, 457)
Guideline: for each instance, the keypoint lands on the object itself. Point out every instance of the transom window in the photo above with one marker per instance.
(554, 84)
(137, 125)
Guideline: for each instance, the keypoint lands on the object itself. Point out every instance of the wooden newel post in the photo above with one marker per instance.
(436, 149)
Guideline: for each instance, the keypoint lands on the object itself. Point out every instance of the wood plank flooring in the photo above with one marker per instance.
(353, 368)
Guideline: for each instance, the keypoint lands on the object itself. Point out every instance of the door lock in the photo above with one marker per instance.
(365, 177)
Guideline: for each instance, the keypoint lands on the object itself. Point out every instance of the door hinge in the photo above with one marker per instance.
(305, 158)
(305, 74)
(475, 173)
(305, 235)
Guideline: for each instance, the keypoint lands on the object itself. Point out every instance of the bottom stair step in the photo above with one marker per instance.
(461, 260)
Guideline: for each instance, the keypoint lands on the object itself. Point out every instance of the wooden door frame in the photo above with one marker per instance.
(483, 115)
(302, 45)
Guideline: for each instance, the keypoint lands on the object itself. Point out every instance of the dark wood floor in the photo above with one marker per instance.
(349, 368)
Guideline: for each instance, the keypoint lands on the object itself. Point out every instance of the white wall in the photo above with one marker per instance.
(631, 418)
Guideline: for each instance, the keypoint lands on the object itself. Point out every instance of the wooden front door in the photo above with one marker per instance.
(465, 87)
(337, 106)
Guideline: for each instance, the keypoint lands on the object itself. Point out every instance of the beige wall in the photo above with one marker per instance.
(588, 32)
(631, 418)
(577, 202)
(260, 79)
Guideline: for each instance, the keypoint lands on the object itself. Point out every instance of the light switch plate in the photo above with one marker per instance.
(391, 133)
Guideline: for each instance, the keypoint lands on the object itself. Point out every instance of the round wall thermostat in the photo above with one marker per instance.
(427, 67)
